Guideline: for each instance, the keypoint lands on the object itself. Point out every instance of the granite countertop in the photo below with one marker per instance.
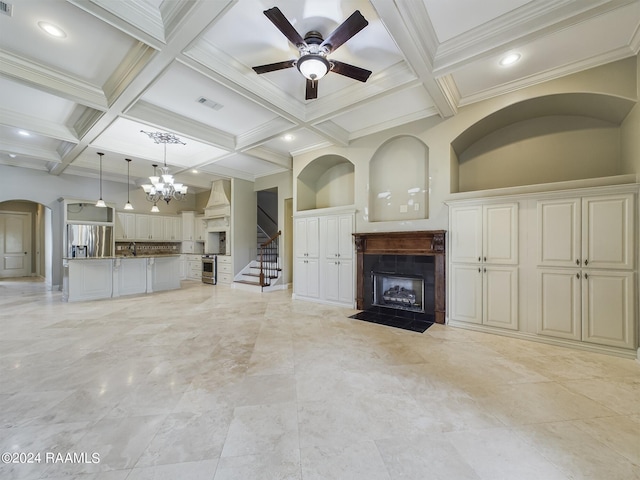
(160, 255)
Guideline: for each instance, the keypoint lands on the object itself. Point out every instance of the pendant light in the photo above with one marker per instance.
(100, 203)
(128, 205)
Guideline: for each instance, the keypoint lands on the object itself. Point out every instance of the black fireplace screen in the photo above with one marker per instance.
(397, 291)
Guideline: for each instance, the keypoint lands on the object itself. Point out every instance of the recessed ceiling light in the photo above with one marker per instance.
(12, 155)
(509, 59)
(52, 29)
(288, 137)
(24, 133)
(194, 171)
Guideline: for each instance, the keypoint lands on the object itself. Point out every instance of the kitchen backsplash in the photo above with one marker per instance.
(148, 248)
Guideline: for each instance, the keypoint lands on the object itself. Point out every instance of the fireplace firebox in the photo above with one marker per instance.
(403, 273)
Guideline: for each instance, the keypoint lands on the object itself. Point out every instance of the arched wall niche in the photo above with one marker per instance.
(328, 181)
(399, 180)
(553, 138)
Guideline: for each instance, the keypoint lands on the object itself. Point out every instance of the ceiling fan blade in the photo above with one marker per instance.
(272, 67)
(311, 92)
(350, 71)
(280, 21)
(345, 31)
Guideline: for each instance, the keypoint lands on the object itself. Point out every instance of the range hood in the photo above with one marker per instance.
(219, 204)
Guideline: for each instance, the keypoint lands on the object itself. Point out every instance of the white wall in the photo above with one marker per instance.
(243, 223)
(617, 79)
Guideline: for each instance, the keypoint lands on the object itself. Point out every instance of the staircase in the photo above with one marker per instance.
(264, 273)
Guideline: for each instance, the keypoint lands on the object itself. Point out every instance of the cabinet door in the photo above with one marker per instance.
(500, 297)
(559, 303)
(608, 308)
(466, 293)
(559, 234)
(466, 234)
(331, 280)
(188, 222)
(121, 233)
(306, 237)
(607, 232)
(331, 236)
(157, 228)
(500, 234)
(346, 280)
(143, 227)
(199, 229)
(306, 281)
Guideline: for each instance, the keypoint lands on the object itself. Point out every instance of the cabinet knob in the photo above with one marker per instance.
(479, 259)
(586, 262)
(479, 270)
(485, 270)
(577, 275)
(577, 262)
(586, 276)
(485, 259)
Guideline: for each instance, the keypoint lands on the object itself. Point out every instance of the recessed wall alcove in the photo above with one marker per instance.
(328, 181)
(555, 138)
(399, 181)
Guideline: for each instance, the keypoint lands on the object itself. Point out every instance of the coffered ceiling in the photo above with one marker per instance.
(185, 67)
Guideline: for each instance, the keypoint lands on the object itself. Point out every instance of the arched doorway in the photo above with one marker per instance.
(26, 240)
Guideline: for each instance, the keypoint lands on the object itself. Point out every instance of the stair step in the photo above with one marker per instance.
(249, 282)
(250, 274)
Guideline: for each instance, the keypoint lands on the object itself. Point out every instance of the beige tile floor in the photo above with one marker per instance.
(214, 383)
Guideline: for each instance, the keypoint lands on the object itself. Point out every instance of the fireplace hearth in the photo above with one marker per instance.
(402, 274)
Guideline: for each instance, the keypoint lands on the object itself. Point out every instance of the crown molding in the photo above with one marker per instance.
(135, 61)
(450, 91)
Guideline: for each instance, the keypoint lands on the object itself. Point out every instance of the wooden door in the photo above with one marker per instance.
(15, 244)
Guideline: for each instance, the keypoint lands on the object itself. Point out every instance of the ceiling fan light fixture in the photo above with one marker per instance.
(313, 67)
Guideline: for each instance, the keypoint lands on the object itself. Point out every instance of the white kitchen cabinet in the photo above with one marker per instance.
(172, 229)
(483, 285)
(131, 276)
(125, 226)
(188, 219)
(149, 228)
(306, 237)
(199, 229)
(225, 269)
(194, 267)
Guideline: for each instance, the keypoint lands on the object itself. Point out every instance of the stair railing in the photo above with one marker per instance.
(269, 258)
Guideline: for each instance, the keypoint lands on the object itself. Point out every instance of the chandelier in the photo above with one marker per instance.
(162, 186)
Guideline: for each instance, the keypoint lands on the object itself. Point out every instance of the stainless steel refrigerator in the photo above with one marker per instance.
(89, 241)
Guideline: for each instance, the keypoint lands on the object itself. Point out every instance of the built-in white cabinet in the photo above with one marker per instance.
(125, 226)
(188, 219)
(557, 266)
(149, 228)
(484, 264)
(585, 255)
(194, 267)
(336, 273)
(323, 264)
(307, 252)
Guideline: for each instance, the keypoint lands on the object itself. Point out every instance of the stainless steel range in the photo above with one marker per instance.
(209, 268)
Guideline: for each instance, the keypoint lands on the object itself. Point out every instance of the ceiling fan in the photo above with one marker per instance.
(313, 62)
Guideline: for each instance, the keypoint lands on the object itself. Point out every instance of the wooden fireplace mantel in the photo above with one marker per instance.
(429, 242)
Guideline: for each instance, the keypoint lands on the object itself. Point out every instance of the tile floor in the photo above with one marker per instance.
(214, 383)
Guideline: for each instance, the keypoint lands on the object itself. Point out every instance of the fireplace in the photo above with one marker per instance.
(402, 273)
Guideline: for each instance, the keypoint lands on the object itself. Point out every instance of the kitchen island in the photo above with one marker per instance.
(109, 277)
